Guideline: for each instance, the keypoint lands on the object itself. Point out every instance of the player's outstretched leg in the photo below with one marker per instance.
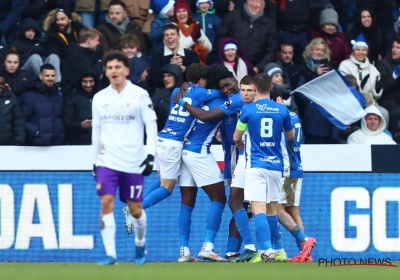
(188, 201)
(216, 193)
(155, 185)
(159, 194)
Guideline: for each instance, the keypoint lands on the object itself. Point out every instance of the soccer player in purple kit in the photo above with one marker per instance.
(121, 113)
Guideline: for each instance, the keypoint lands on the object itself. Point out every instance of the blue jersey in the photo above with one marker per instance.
(231, 107)
(265, 120)
(203, 134)
(293, 148)
(180, 121)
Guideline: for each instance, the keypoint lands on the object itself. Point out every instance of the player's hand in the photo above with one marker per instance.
(240, 145)
(181, 93)
(148, 163)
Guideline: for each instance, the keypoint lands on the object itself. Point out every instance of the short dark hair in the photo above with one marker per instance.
(197, 71)
(118, 55)
(397, 39)
(47, 66)
(262, 82)
(247, 80)
(282, 44)
(130, 41)
(117, 3)
(171, 25)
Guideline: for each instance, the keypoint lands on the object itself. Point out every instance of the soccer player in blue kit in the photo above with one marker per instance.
(264, 121)
(178, 126)
(229, 111)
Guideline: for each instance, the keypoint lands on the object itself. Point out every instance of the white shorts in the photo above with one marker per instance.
(291, 189)
(199, 170)
(262, 185)
(169, 157)
(239, 174)
(156, 163)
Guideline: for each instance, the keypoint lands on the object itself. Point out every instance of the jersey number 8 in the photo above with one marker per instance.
(181, 111)
(266, 127)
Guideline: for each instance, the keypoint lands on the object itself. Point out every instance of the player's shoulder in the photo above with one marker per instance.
(102, 94)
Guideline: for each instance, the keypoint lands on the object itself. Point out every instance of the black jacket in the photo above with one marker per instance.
(77, 108)
(20, 81)
(78, 58)
(27, 47)
(296, 17)
(3, 51)
(58, 43)
(12, 125)
(391, 87)
(42, 108)
(38, 10)
(258, 40)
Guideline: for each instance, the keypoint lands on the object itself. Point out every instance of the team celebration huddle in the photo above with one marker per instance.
(261, 142)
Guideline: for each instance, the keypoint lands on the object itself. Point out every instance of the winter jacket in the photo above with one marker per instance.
(58, 42)
(138, 10)
(38, 10)
(10, 14)
(20, 81)
(156, 35)
(77, 108)
(337, 42)
(42, 108)
(258, 40)
(270, 9)
(361, 70)
(210, 23)
(27, 47)
(138, 66)
(89, 5)
(110, 36)
(296, 17)
(79, 57)
(295, 74)
(12, 126)
(368, 137)
(391, 86)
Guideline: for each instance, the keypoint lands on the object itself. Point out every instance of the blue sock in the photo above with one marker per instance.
(276, 237)
(214, 219)
(298, 234)
(298, 245)
(263, 231)
(155, 197)
(239, 245)
(184, 222)
(242, 223)
(152, 188)
(232, 245)
(258, 240)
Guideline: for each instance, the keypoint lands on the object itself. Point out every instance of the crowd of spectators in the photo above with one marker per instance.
(51, 51)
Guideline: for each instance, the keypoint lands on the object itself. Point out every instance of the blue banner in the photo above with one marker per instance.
(54, 217)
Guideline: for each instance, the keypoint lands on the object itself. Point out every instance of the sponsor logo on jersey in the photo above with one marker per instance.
(227, 103)
(117, 118)
(265, 108)
(168, 130)
(271, 159)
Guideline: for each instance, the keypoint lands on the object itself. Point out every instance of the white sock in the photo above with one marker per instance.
(208, 246)
(108, 234)
(280, 251)
(185, 251)
(139, 225)
(269, 251)
(250, 247)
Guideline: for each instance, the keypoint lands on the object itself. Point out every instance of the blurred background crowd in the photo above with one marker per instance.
(51, 50)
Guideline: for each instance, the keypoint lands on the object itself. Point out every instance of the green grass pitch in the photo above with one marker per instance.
(191, 271)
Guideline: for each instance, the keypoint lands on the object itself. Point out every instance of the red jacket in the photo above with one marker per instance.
(337, 42)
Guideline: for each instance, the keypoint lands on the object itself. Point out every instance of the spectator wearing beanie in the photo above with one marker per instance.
(293, 22)
(31, 50)
(230, 55)
(192, 37)
(210, 23)
(87, 10)
(328, 30)
(62, 28)
(366, 23)
(165, 11)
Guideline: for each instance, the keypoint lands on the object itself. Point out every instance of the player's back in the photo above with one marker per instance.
(180, 121)
(203, 134)
(293, 148)
(266, 120)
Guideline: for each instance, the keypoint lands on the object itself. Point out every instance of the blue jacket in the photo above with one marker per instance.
(10, 13)
(42, 108)
(210, 23)
(157, 32)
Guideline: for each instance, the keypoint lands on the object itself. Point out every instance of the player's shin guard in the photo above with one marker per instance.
(214, 218)
(155, 197)
(140, 225)
(264, 232)
(108, 234)
(184, 222)
(243, 227)
(152, 188)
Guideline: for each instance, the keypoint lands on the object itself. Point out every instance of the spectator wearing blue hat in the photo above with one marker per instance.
(165, 11)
